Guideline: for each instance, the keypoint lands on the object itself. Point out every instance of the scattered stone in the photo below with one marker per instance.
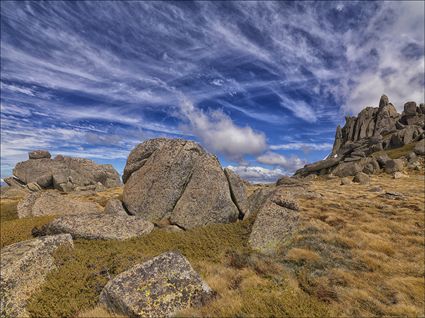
(375, 189)
(177, 180)
(34, 187)
(361, 178)
(420, 148)
(392, 195)
(115, 206)
(399, 175)
(24, 266)
(39, 154)
(99, 226)
(394, 165)
(160, 287)
(346, 181)
(51, 202)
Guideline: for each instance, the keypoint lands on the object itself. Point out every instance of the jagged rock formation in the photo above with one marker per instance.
(374, 129)
(62, 173)
(177, 181)
(24, 266)
(51, 202)
(98, 226)
(159, 287)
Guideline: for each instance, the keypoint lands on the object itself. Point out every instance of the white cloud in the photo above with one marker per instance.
(306, 147)
(290, 164)
(219, 133)
(258, 174)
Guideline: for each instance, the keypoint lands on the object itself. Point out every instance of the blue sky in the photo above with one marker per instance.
(261, 84)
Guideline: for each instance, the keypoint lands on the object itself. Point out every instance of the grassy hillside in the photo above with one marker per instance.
(357, 253)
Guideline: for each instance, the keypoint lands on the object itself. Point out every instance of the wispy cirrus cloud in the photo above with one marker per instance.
(263, 71)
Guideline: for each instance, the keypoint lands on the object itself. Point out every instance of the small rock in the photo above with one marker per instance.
(159, 287)
(420, 148)
(394, 165)
(392, 195)
(34, 187)
(346, 181)
(399, 175)
(115, 206)
(39, 154)
(375, 189)
(361, 178)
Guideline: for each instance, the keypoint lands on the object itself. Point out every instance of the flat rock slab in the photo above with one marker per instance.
(51, 202)
(24, 266)
(159, 287)
(99, 226)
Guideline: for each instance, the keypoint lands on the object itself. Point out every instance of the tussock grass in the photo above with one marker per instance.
(8, 209)
(397, 152)
(371, 248)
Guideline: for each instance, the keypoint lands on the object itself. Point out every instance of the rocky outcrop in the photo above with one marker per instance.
(64, 173)
(51, 202)
(159, 287)
(98, 226)
(24, 266)
(178, 181)
(373, 130)
(276, 221)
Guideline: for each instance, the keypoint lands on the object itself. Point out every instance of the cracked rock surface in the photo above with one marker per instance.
(178, 181)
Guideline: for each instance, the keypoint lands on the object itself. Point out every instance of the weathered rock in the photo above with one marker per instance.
(273, 225)
(115, 206)
(382, 159)
(99, 226)
(206, 198)
(39, 154)
(291, 181)
(24, 266)
(346, 169)
(14, 182)
(361, 178)
(51, 202)
(65, 173)
(420, 148)
(394, 165)
(346, 181)
(159, 287)
(238, 191)
(399, 175)
(179, 181)
(256, 200)
(33, 186)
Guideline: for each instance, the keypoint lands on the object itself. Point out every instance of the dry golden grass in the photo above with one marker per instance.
(356, 254)
(370, 247)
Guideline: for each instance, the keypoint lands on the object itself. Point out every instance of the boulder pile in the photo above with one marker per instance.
(177, 182)
(374, 129)
(62, 173)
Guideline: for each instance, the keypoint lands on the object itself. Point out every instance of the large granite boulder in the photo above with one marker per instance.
(177, 180)
(394, 165)
(256, 200)
(160, 287)
(98, 226)
(276, 221)
(24, 266)
(51, 202)
(64, 173)
(420, 148)
(115, 206)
